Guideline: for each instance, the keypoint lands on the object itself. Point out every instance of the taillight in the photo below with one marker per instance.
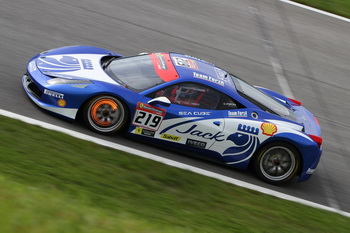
(317, 139)
(295, 101)
(316, 121)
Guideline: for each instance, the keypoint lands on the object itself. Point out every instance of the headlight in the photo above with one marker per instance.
(32, 66)
(56, 81)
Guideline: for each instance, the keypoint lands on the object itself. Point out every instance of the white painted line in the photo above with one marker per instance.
(316, 10)
(325, 181)
(272, 53)
(326, 185)
(169, 162)
(279, 73)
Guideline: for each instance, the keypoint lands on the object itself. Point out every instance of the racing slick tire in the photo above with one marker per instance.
(105, 115)
(277, 163)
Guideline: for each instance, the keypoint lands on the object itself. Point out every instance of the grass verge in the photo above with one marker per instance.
(338, 7)
(51, 182)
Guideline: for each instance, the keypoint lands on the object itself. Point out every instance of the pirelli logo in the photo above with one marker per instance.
(53, 94)
(170, 137)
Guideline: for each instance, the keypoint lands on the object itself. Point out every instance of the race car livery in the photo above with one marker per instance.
(181, 102)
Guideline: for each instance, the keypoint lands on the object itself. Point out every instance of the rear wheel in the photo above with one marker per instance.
(105, 114)
(277, 163)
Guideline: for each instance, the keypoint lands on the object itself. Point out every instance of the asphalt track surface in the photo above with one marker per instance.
(267, 42)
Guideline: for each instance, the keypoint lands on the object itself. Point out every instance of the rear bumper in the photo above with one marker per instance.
(311, 153)
(309, 166)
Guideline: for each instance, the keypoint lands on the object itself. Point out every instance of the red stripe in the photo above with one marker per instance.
(164, 67)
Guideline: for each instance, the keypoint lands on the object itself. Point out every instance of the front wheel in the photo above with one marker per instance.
(277, 163)
(105, 114)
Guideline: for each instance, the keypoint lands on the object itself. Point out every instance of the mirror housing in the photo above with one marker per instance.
(164, 101)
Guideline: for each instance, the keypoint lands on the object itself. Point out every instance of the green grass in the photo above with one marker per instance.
(51, 182)
(339, 7)
(27, 208)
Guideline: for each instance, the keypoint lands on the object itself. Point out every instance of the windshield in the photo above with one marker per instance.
(135, 73)
(261, 99)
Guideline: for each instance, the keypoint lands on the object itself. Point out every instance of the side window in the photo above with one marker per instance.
(228, 103)
(196, 95)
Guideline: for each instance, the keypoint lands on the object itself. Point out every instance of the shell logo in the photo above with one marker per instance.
(61, 102)
(268, 129)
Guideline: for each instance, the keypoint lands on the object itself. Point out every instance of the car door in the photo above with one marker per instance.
(243, 135)
(190, 117)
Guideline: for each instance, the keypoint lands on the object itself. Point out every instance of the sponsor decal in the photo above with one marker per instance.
(61, 102)
(58, 64)
(268, 129)
(145, 132)
(53, 94)
(161, 61)
(206, 135)
(310, 171)
(237, 113)
(185, 62)
(147, 116)
(229, 104)
(87, 64)
(183, 113)
(164, 67)
(199, 59)
(208, 78)
(170, 137)
(151, 109)
(222, 75)
(195, 143)
(245, 142)
(248, 129)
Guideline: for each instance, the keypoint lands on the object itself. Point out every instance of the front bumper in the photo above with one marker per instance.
(50, 102)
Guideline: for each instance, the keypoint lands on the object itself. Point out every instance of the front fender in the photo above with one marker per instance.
(79, 49)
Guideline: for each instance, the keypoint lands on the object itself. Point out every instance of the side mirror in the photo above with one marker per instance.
(164, 101)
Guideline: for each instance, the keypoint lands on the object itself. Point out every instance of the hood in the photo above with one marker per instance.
(74, 66)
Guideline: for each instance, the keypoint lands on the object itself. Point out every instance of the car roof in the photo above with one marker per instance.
(193, 69)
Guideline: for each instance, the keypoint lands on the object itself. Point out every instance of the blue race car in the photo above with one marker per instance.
(181, 102)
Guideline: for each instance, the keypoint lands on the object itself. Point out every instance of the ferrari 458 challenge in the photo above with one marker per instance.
(181, 102)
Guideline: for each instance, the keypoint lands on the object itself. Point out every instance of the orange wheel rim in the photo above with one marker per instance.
(103, 112)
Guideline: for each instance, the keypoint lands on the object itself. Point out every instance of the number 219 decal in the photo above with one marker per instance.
(149, 117)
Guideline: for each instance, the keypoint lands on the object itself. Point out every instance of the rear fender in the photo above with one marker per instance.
(309, 151)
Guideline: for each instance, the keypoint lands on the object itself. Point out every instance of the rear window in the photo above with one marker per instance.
(261, 99)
